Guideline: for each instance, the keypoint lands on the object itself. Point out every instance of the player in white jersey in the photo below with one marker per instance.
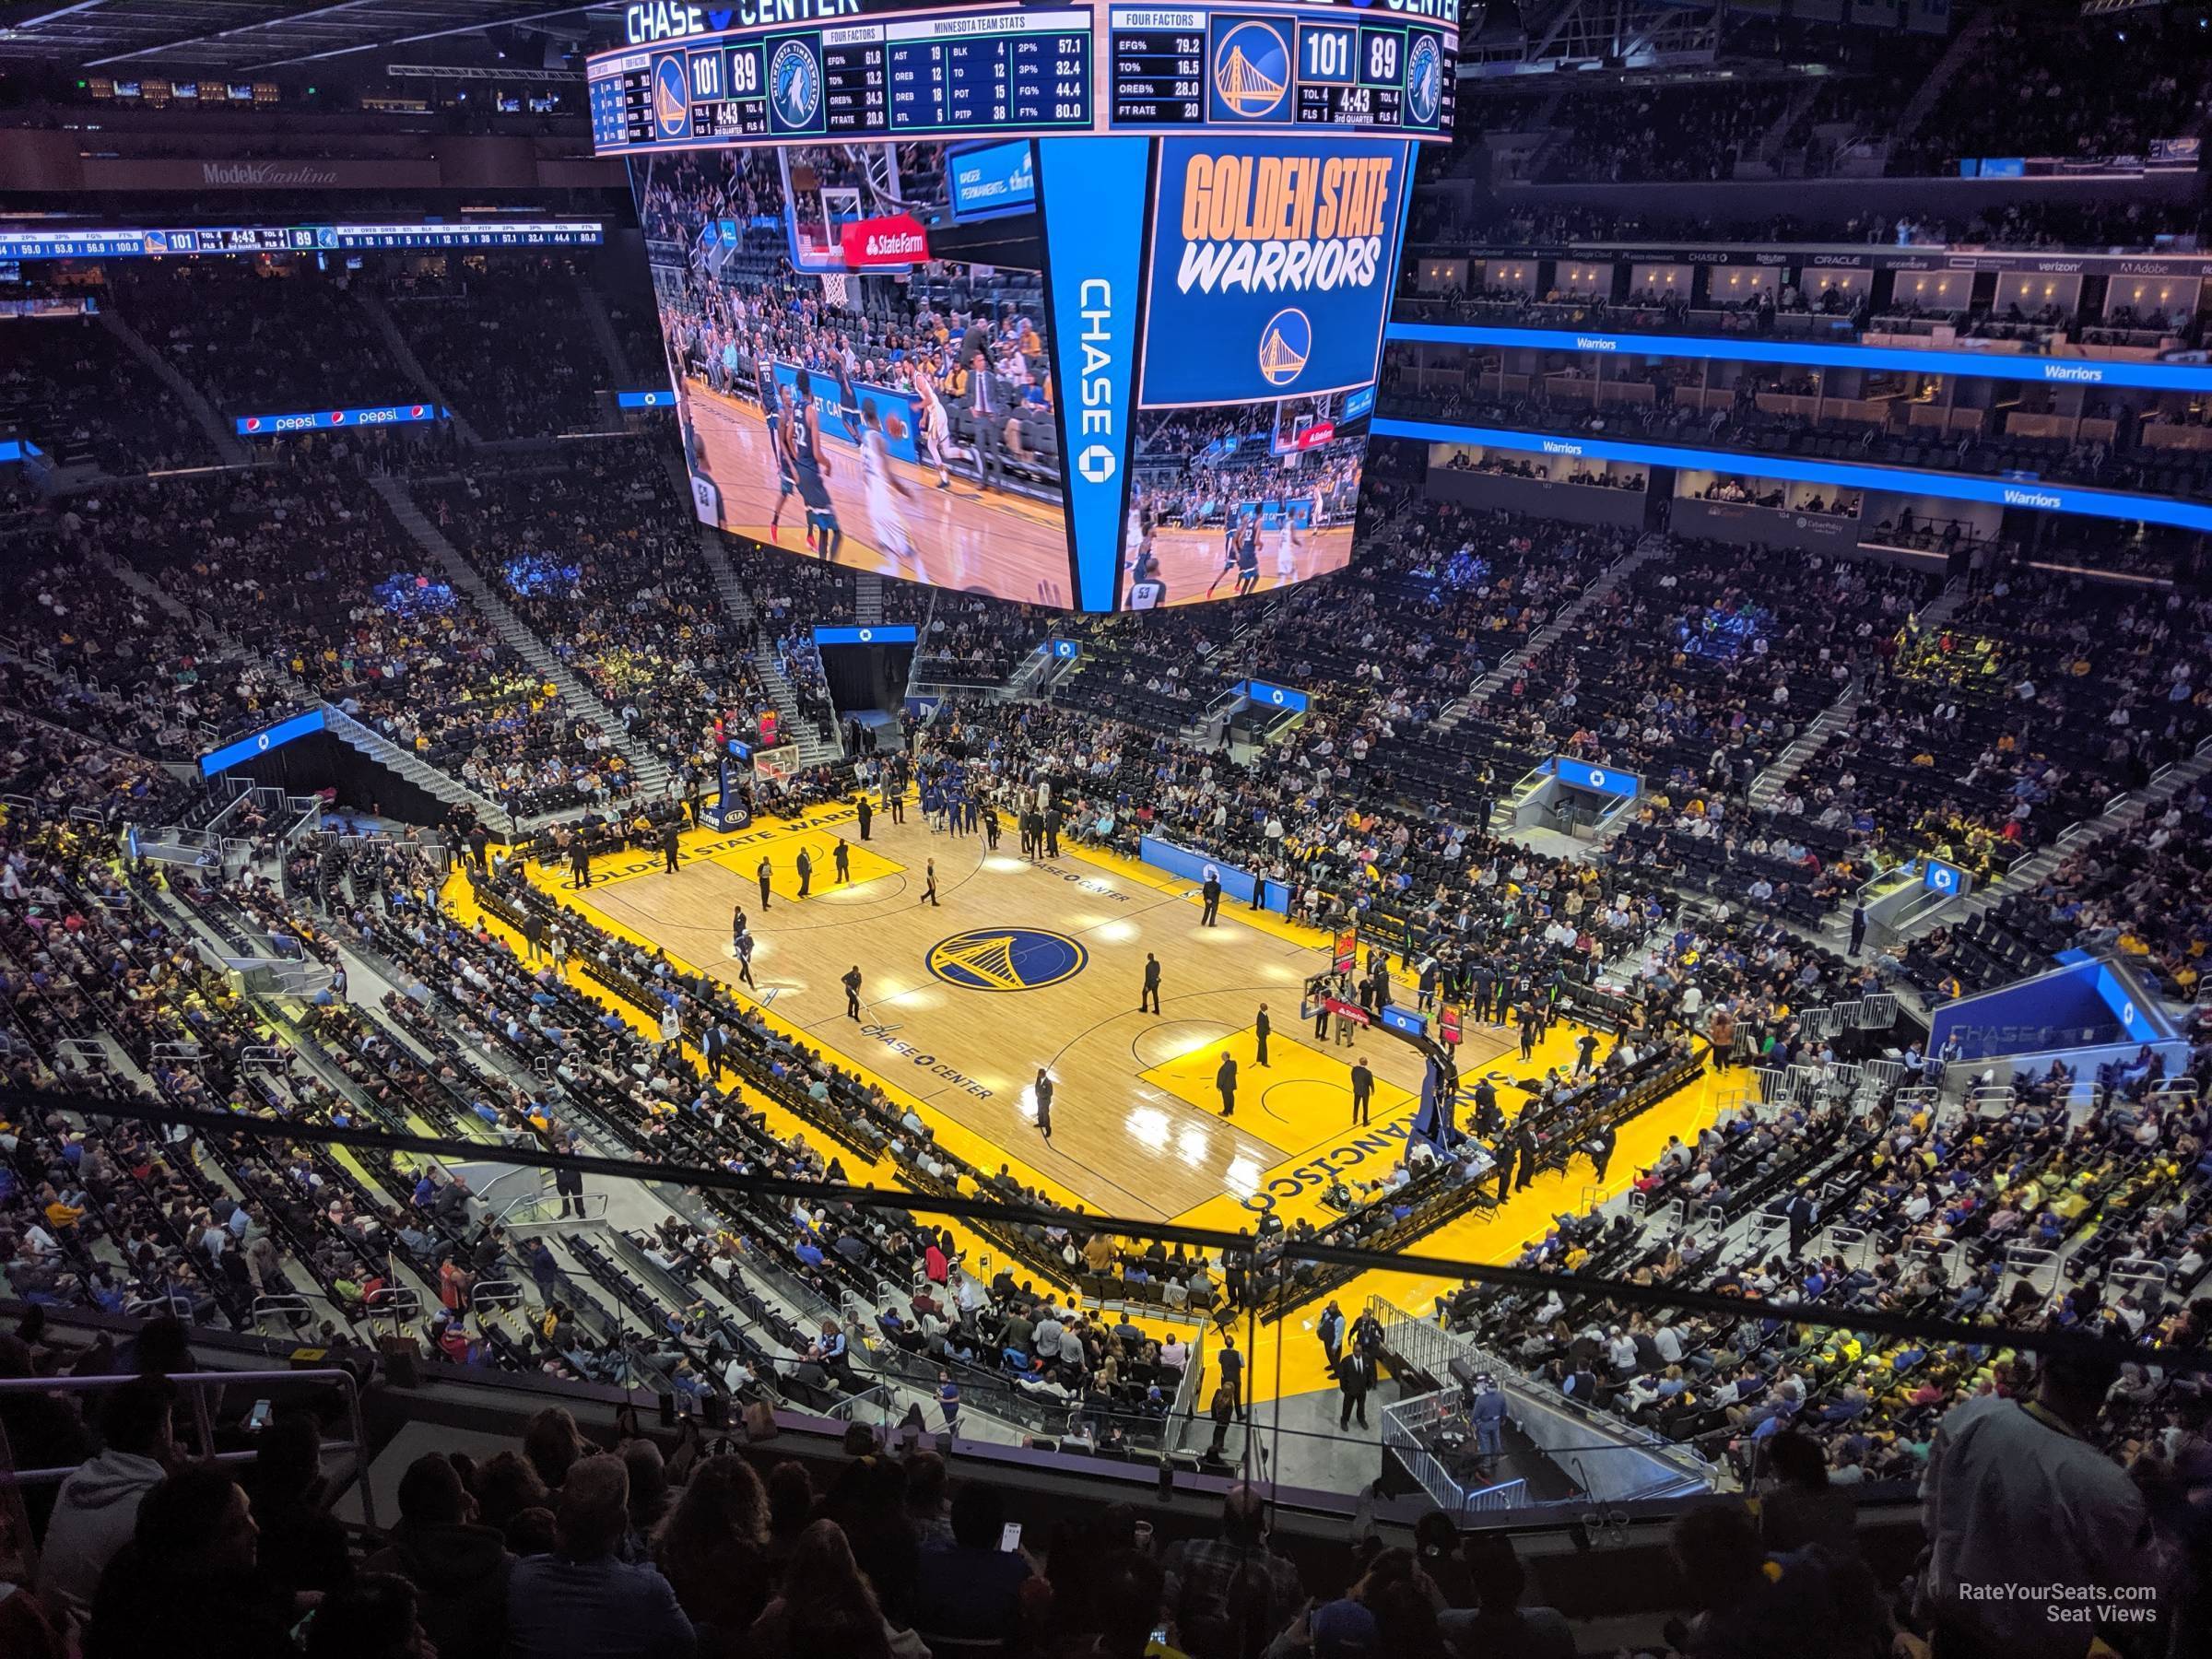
(1286, 546)
(887, 495)
(931, 422)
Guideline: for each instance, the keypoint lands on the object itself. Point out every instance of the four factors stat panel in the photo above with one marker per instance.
(807, 71)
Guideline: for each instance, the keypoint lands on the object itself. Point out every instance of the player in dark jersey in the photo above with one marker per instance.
(1247, 546)
(812, 470)
(776, 401)
(1229, 551)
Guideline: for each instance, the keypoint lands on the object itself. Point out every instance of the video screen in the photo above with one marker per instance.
(858, 339)
(1241, 498)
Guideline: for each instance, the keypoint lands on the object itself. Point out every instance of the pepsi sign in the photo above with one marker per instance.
(323, 420)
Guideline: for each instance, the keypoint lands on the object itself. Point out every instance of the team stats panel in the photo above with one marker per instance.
(885, 75)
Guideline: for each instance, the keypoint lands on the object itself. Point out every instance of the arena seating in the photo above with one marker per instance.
(256, 349)
(312, 972)
(1667, 406)
(478, 334)
(603, 561)
(56, 387)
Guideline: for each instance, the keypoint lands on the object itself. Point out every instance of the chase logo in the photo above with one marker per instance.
(794, 83)
(1424, 80)
(1007, 959)
(1096, 464)
(671, 98)
(1251, 70)
(1285, 345)
(1597, 779)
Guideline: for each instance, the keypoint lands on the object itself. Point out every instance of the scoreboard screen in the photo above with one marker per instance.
(1079, 305)
(1001, 71)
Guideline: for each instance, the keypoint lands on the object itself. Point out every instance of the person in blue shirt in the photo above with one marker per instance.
(582, 1600)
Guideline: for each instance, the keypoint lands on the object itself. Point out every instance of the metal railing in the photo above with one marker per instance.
(198, 1389)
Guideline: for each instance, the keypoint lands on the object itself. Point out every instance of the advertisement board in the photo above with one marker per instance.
(1079, 306)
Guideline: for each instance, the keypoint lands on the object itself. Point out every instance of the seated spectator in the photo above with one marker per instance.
(187, 1586)
(458, 1566)
(98, 1508)
(970, 1588)
(581, 1602)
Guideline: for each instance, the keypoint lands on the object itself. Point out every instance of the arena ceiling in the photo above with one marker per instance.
(217, 36)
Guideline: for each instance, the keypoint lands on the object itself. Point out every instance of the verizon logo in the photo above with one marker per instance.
(260, 173)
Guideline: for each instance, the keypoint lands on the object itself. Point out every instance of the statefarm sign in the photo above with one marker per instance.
(898, 239)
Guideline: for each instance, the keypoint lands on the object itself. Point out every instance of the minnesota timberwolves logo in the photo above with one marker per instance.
(794, 83)
(1007, 959)
(1285, 345)
(671, 98)
(1424, 80)
(1251, 70)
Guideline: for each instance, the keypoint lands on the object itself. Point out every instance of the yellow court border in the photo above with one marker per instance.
(1285, 1357)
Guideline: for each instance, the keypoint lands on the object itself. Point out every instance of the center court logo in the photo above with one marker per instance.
(1007, 959)
(1285, 345)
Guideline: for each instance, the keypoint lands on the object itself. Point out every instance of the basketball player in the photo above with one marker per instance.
(776, 404)
(848, 400)
(1247, 551)
(1229, 551)
(933, 424)
(811, 467)
(887, 492)
(1285, 547)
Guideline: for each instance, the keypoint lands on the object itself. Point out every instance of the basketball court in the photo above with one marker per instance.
(1005, 544)
(1190, 560)
(1026, 964)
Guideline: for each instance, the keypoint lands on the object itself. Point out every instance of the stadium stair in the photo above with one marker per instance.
(341, 725)
(403, 355)
(1965, 47)
(2123, 814)
(218, 432)
(603, 336)
(813, 751)
(1646, 549)
(1768, 786)
(867, 598)
(650, 772)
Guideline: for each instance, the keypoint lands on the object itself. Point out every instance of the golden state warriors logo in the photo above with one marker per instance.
(1285, 345)
(1007, 959)
(1251, 70)
(671, 98)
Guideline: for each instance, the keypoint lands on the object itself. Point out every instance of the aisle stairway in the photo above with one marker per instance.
(650, 772)
(1641, 554)
(621, 373)
(341, 725)
(1767, 788)
(204, 414)
(395, 342)
(738, 603)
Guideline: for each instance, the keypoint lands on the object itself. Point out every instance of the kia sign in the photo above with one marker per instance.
(897, 240)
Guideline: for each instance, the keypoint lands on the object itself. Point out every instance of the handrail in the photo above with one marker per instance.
(197, 1386)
